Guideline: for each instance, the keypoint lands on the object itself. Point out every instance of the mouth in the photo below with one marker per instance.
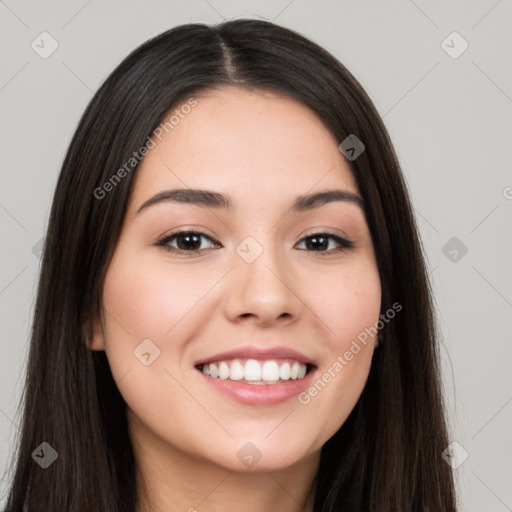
(262, 372)
(258, 377)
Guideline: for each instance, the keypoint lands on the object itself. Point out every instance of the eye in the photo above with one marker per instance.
(318, 242)
(186, 241)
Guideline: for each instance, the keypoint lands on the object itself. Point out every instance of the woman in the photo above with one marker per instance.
(233, 311)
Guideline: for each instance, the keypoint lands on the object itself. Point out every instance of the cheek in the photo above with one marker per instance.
(142, 303)
(349, 306)
(348, 302)
(147, 301)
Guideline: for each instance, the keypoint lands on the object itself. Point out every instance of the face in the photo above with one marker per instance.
(262, 288)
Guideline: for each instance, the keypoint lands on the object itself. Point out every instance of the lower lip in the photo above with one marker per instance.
(260, 394)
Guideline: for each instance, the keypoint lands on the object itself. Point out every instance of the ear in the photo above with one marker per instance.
(95, 338)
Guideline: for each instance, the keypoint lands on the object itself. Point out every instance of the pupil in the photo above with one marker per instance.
(314, 241)
(190, 242)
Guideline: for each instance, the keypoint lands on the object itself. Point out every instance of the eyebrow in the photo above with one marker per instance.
(216, 200)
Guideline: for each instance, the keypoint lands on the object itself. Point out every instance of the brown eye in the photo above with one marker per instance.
(186, 242)
(319, 242)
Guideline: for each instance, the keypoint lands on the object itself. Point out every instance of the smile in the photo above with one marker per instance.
(253, 371)
(256, 376)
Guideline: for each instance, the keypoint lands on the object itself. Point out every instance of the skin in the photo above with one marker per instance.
(263, 150)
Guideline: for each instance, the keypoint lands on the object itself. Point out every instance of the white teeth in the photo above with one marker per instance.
(223, 371)
(252, 370)
(256, 372)
(284, 371)
(236, 372)
(294, 371)
(214, 371)
(270, 371)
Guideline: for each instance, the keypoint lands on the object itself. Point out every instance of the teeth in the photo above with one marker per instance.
(284, 371)
(270, 371)
(294, 371)
(223, 371)
(236, 372)
(256, 372)
(252, 370)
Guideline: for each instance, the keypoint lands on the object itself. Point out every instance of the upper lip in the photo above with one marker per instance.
(254, 352)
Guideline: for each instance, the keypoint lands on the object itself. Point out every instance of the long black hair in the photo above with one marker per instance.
(386, 457)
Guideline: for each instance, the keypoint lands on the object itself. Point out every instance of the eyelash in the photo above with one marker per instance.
(344, 244)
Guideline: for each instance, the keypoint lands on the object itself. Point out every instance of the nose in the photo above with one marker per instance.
(262, 292)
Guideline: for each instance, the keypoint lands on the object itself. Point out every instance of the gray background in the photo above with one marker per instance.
(449, 118)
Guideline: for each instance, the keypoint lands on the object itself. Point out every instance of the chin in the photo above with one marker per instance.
(260, 455)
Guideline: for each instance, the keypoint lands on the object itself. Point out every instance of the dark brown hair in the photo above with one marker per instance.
(386, 457)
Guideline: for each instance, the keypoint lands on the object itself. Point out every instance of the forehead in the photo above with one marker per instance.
(256, 145)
